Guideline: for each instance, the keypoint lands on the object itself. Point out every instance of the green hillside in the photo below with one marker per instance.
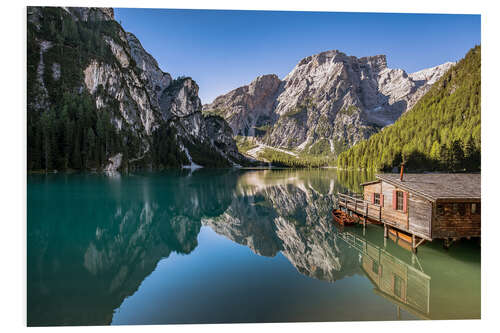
(442, 132)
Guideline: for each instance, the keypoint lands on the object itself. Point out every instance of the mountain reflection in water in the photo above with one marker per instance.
(97, 243)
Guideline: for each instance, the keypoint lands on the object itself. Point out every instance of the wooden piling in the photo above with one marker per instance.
(366, 215)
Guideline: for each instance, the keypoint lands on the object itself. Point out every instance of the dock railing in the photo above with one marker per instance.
(357, 204)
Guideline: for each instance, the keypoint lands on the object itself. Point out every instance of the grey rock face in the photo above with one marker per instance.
(181, 107)
(41, 99)
(91, 13)
(248, 107)
(156, 80)
(114, 163)
(329, 99)
(141, 96)
(180, 99)
(208, 133)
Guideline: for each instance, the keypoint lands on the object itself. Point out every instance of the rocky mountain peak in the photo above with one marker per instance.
(322, 57)
(91, 13)
(377, 63)
(249, 107)
(431, 75)
(328, 102)
(156, 80)
(180, 99)
(263, 83)
(109, 11)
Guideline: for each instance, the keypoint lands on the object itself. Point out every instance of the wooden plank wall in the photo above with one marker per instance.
(373, 211)
(397, 217)
(369, 190)
(418, 217)
(420, 214)
(456, 225)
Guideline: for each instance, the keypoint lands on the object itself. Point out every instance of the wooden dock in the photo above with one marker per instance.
(355, 203)
(372, 213)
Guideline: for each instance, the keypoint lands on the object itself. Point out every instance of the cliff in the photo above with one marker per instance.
(98, 100)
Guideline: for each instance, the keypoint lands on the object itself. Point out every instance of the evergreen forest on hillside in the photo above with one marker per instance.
(442, 132)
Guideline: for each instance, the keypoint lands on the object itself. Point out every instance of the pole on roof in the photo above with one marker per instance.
(401, 172)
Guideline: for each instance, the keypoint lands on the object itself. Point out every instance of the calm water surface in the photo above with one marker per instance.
(227, 246)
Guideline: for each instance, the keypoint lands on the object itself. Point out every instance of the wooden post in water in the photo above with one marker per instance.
(385, 231)
(366, 214)
(447, 242)
(413, 244)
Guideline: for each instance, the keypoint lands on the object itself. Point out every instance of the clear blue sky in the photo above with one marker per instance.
(222, 50)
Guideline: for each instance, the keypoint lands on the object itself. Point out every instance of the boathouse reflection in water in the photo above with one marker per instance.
(405, 285)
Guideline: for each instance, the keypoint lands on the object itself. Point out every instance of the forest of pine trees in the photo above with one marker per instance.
(284, 160)
(71, 135)
(75, 135)
(442, 132)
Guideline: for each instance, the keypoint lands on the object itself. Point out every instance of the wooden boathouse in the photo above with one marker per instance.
(419, 207)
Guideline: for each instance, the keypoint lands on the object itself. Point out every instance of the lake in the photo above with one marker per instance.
(227, 246)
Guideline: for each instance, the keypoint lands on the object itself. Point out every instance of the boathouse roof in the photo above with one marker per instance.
(437, 186)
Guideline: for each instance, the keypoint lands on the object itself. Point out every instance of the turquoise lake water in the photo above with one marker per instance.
(227, 246)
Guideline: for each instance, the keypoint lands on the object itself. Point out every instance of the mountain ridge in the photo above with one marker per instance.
(328, 102)
(98, 100)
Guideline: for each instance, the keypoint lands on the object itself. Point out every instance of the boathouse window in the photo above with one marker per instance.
(440, 210)
(376, 198)
(475, 208)
(375, 267)
(399, 200)
(461, 209)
